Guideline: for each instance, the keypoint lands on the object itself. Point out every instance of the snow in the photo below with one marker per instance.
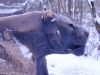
(89, 1)
(2, 60)
(69, 64)
(97, 18)
(93, 40)
(25, 51)
(28, 55)
(6, 11)
(41, 1)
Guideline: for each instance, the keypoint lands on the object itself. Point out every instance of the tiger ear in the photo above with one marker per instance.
(49, 13)
(72, 26)
(48, 16)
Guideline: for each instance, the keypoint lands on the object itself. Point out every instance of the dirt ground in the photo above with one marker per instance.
(12, 62)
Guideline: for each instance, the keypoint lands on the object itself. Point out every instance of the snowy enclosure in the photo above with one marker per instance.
(69, 64)
(65, 64)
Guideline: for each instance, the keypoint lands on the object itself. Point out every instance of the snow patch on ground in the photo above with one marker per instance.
(2, 61)
(25, 51)
(69, 64)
